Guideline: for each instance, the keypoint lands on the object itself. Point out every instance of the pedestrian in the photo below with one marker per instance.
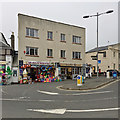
(104, 73)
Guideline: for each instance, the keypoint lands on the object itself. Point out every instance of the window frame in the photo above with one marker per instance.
(76, 39)
(62, 37)
(49, 35)
(76, 55)
(29, 53)
(49, 52)
(63, 53)
(29, 32)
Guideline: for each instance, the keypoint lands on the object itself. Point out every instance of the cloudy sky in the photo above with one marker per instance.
(70, 12)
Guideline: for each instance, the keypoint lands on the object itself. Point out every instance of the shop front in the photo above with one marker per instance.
(70, 71)
(38, 72)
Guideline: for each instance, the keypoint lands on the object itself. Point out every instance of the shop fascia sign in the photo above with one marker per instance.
(40, 63)
(3, 62)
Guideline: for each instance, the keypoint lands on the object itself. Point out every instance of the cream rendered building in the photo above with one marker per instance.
(109, 56)
(41, 40)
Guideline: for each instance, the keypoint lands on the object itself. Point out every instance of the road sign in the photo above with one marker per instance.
(99, 61)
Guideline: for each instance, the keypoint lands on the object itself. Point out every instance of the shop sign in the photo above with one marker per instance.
(38, 63)
(34, 66)
(2, 62)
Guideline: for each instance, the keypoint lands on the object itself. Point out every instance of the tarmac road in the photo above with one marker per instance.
(44, 100)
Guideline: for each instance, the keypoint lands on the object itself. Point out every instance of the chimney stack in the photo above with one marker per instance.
(12, 40)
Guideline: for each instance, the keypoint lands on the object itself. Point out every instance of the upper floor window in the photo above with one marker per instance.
(114, 66)
(49, 35)
(76, 55)
(104, 54)
(62, 53)
(119, 55)
(31, 51)
(49, 52)
(31, 32)
(76, 39)
(62, 37)
(113, 54)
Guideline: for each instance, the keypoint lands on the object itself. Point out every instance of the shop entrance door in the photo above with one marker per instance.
(69, 73)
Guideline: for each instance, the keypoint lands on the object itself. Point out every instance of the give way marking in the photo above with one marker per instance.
(62, 111)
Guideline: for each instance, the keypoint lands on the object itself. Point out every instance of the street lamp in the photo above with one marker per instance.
(97, 15)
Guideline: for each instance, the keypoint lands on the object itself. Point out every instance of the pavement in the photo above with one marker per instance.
(89, 84)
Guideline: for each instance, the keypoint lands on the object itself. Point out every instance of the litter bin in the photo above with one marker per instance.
(115, 74)
(79, 80)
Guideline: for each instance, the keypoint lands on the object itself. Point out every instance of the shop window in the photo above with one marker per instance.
(62, 53)
(31, 32)
(76, 70)
(62, 70)
(62, 37)
(76, 55)
(50, 35)
(76, 39)
(31, 51)
(49, 52)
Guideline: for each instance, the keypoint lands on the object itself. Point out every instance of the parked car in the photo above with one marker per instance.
(111, 72)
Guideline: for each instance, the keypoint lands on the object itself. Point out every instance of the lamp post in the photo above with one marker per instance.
(97, 15)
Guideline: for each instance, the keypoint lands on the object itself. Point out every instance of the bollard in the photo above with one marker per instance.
(79, 80)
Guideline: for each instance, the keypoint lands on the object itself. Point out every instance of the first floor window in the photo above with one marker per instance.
(76, 55)
(62, 53)
(119, 66)
(49, 52)
(31, 51)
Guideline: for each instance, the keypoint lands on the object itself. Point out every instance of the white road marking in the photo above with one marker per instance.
(5, 99)
(24, 97)
(49, 93)
(88, 100)
(93, 110)
(89, 93)
(62, 111)
(53, 111)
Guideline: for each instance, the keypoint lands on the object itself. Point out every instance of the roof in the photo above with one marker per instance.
(3, 43)
(100, 48)
(50, 20)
